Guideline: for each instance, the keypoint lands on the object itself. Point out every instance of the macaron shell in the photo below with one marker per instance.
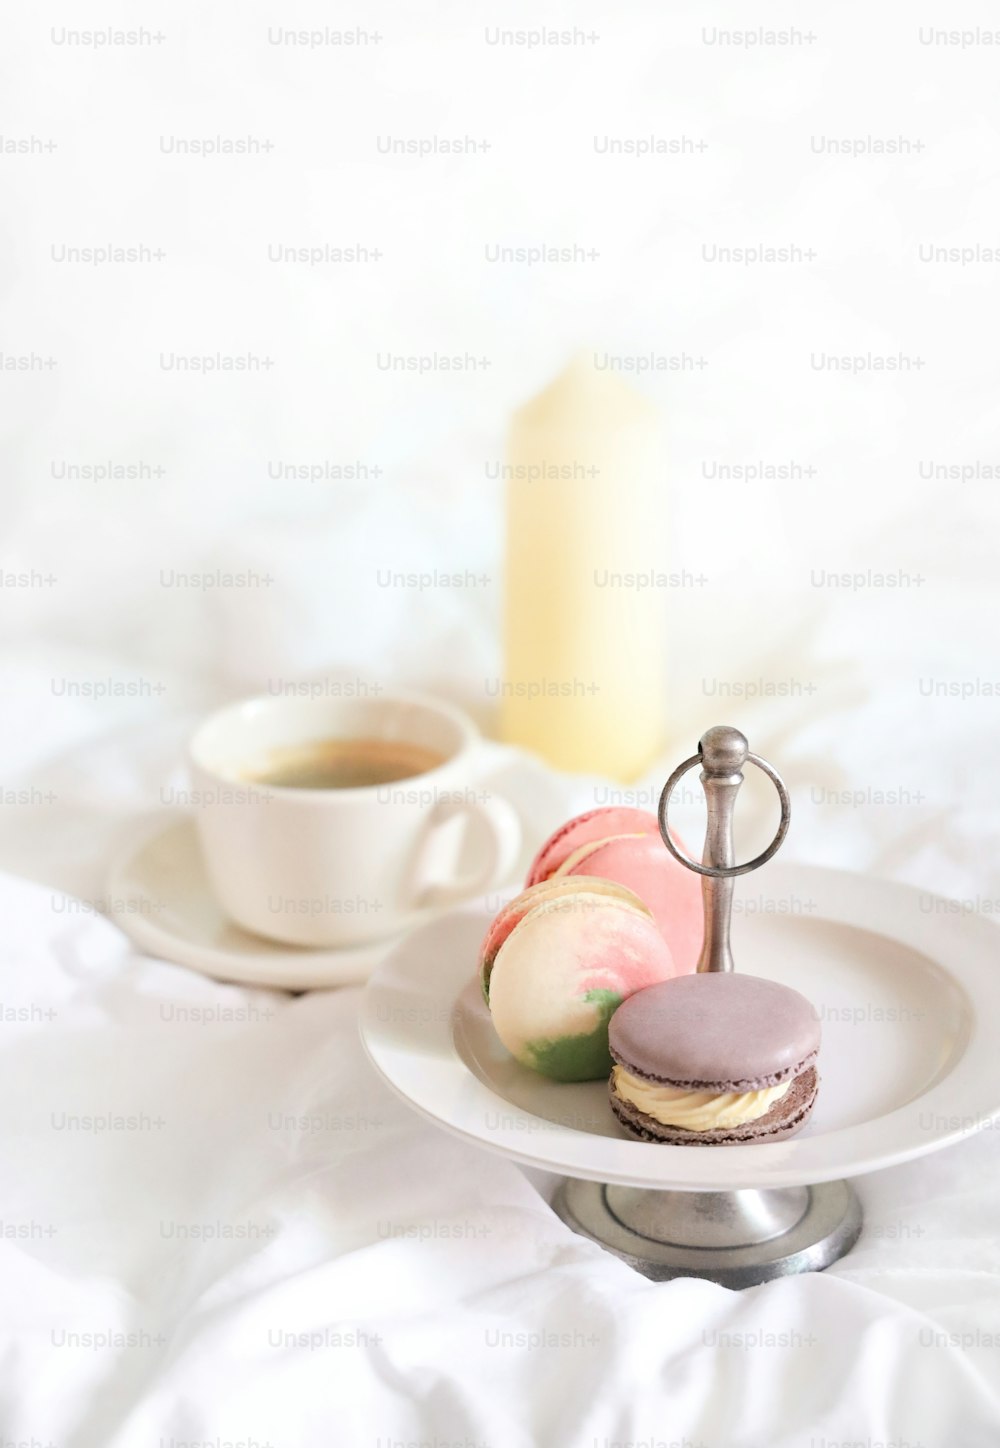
(575, 859)
(555, 984)
(672, 892)
(584, 829)
(545, 891)
(784, 1119)
(716, 1032)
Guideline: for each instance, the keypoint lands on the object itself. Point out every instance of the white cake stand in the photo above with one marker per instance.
(908, 991)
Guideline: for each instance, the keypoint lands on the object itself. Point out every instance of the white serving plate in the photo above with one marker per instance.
(908, 992)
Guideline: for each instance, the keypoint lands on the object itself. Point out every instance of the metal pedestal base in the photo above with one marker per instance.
(735, 1238)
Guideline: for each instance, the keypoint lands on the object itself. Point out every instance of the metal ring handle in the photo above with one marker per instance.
(718, 872)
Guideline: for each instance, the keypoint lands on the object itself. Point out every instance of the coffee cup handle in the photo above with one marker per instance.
(502, 830)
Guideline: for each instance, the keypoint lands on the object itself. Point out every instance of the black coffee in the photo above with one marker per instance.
(343, 763)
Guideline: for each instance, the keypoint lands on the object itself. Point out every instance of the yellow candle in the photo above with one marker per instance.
(585, 644)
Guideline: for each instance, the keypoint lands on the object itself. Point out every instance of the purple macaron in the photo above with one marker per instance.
(717, 1059)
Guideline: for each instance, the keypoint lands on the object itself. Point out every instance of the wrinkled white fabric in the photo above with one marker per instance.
(218, 1225)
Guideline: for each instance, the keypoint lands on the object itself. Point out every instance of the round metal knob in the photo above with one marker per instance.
(722, 753)
(723, 750)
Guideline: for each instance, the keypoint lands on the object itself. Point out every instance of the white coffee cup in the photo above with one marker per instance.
(341, 867)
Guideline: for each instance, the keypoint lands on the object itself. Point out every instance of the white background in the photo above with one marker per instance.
(856, 666)
(865, 76)
(426, 445)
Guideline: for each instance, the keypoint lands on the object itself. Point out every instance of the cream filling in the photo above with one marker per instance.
(694, 1110)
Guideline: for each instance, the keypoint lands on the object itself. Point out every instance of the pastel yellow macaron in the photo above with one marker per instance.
(556, 964)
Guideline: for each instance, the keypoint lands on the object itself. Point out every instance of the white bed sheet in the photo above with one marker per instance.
(255, 1242)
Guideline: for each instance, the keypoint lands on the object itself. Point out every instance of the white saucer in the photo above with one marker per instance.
(908, 993)
(164, 903)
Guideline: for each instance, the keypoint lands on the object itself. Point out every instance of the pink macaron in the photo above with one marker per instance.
(623, 844)
(584, 829)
